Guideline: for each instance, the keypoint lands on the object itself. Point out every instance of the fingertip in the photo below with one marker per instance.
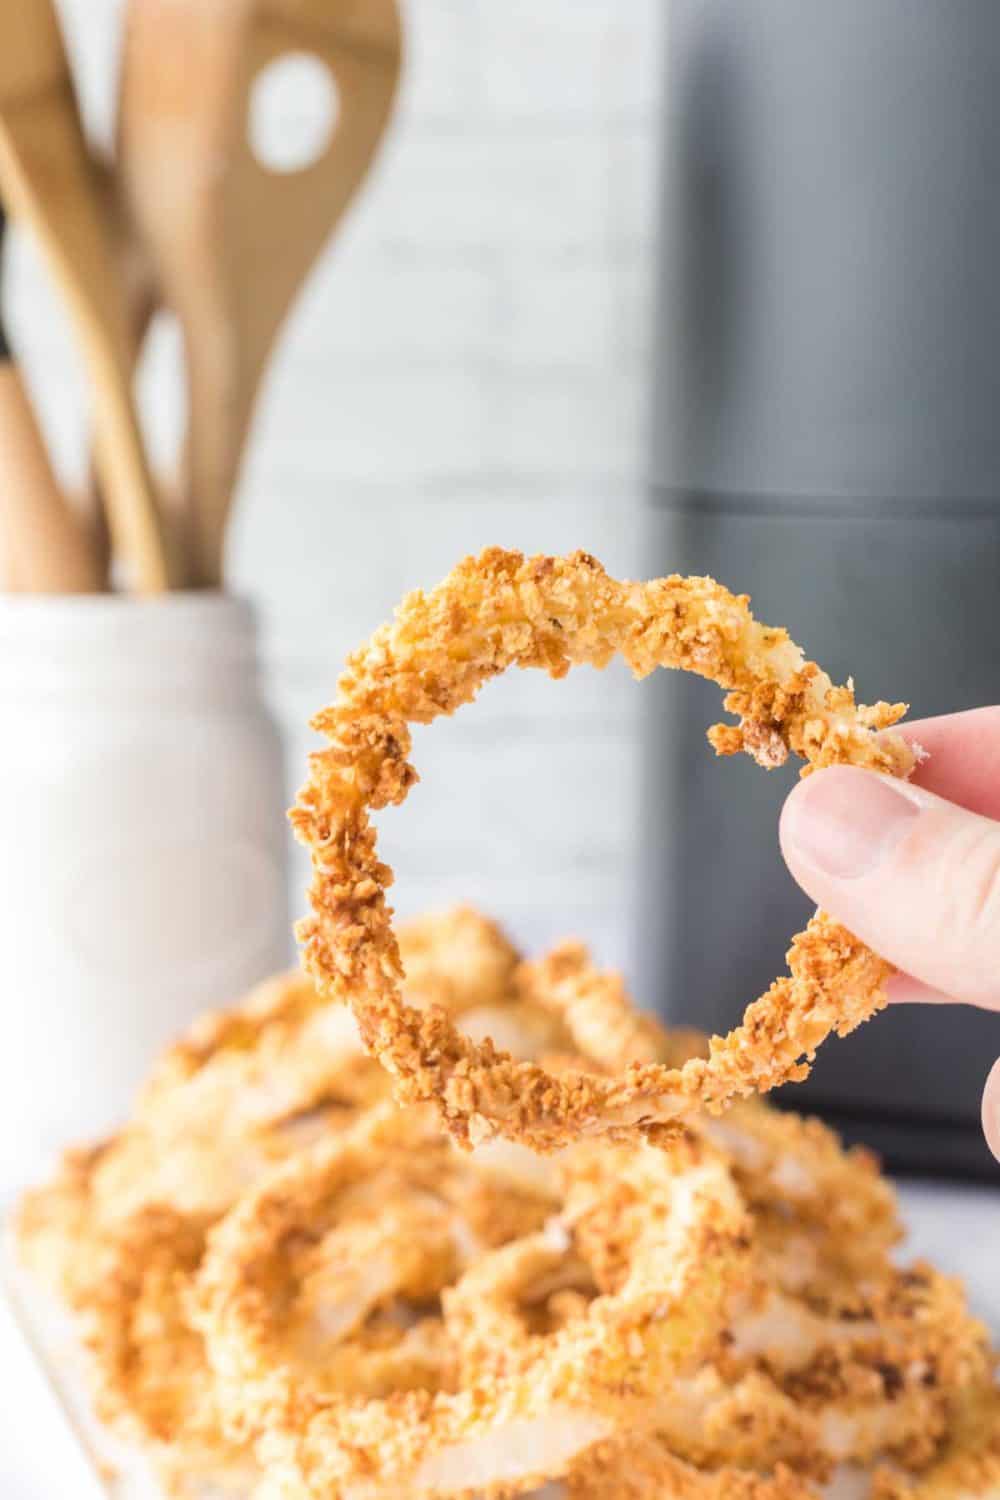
(991, 1110)
(963, 758)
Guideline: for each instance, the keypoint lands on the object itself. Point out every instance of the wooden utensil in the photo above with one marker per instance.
(44, 544)
(231, 240)
(48, 180)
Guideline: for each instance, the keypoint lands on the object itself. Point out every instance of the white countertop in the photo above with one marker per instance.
(958, 1228)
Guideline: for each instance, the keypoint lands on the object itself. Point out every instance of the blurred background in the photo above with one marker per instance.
(467, 365)
(530, 321)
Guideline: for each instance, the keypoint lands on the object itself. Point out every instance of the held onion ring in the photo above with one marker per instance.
(502, 610)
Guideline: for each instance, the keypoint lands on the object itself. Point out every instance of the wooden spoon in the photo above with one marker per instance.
(45, 546)
(49, 181)
(231, 240)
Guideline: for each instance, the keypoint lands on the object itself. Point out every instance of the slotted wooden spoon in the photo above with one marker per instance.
(49, 181)
(230, 240)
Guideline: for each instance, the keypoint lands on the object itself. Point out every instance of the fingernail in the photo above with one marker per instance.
(845, 822)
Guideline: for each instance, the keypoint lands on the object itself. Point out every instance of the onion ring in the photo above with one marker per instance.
(501, 610)
(661, 1234)
(283, 1050)
(645, 1467)
(825, 1206)
(833, 1356)
(827, 1211)
(147, 1364)
(147, 1359)
(967, 1469)
(246, 1090)
(600, 1021)
(382, 1211)
(878, 1371)
(457, 958)
(246, 1087)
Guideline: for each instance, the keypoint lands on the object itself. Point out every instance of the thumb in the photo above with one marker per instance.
(915, 877)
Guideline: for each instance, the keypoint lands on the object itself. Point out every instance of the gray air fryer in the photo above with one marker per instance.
(827, 437)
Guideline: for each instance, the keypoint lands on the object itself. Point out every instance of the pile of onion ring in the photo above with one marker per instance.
(501, 610)
(289, 1288)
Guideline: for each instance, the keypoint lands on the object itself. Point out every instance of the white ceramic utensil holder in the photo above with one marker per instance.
(142, 847)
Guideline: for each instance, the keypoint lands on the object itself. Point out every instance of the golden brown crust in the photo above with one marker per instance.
(502, 610)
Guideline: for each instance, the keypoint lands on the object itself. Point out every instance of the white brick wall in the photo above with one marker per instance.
(466, 367)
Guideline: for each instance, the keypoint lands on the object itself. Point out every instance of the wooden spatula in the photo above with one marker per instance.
(48, 180)
(232, 241)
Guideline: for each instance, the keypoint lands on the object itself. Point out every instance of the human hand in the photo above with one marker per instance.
(913, 868)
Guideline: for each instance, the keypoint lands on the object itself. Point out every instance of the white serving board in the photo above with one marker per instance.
(55, 1446)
